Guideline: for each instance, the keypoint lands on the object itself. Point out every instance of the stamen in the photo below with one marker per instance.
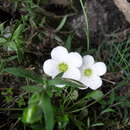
(87, 72)
(63, 67)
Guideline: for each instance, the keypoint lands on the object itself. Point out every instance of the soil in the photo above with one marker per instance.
(104, 19)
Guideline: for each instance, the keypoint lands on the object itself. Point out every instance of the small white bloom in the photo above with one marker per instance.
(91, 72)
(62, 61)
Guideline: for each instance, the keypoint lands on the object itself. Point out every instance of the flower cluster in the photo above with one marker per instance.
(73, 66)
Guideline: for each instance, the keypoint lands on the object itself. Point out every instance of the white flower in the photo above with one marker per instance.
(62, 61)
(91, 72)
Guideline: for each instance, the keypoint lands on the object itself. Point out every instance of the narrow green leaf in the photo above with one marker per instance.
(11, 45)
(68, 42)
(112, 97)
(97, 124)
(78, 123)
(2, 27)
(34, 99)
(3, 62)
(32, 88)
(2, 65)
(17, 32)
(32, 114)
(46, 106)
(63, 120)
(58, 39)
(24, 74)
(16, 42)
(11, 58)
(125, 104)
(107, 111)
(128, 40)
(62, 23)
(2, 41)
(95, 95)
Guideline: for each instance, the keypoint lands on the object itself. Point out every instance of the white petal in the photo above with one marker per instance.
(88, 60)
(50, 67)
(58, 53)
(60, 85)
(72, 73)
(93, 82)
(75, 59)
(99, 68)
(85, 81)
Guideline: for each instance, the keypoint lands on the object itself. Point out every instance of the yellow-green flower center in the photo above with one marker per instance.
(63, 67)
(87, 72)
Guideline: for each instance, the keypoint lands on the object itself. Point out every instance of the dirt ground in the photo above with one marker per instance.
(105, 20)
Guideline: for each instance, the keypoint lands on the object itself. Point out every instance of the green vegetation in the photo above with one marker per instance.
(31, 97)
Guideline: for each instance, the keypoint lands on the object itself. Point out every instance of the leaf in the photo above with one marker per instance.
(11, 45)
(32, 88)
(2, 41)
(34, 99)
(2, 65)
(2, 28)
(112, 97)
(128, 40)
(61, 24)
(24, 74)
(20, 49)
(78, 123)
(107, 111)
(68, 42)
(125, 104)
(95, 95)
(16, 42)
(46, 106)
(63, 120)
(97, 124)
(58, 39)
(18, 31)
(32, 114)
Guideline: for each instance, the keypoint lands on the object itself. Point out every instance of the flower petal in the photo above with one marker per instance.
(88, 60)
(72, 73)
(99, 68)
(58, 53)
(50, 67)
(75, 59)
(93, 82)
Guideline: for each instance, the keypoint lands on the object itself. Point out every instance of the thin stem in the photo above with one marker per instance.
(87, 25)
(67, 99)
(77, 110)
(118, 103)
(109, 81)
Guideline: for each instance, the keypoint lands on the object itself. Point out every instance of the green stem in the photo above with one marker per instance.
(77, 110)
(118, 86)
(87, 25)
